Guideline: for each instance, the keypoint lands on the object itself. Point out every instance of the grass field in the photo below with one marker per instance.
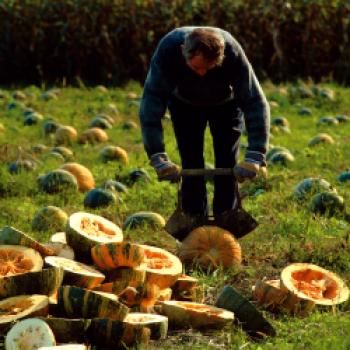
(288, 231)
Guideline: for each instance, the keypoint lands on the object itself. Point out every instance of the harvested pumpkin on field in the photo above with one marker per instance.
(83, 175)
(311, 282)
(114, 153)
(29, 334)
(49, 218)
(15, 259)
(210, 246)
(76, 273)
(93, 136)
(65, 135)
(85, 230)
(162, 267)
(184, 314)
(117, 254)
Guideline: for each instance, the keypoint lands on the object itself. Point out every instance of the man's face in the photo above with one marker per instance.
(200, 65)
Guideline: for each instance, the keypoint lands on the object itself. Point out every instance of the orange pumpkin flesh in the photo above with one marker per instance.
(314, 283)
(210, 246)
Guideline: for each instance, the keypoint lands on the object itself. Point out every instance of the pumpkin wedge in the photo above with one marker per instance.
(112, 334)
(61, 249)
(59, 237)
(79, 302)
(45, 281)
(68, 330)
(29, 334)
(158, 324)
(21, 306)
(76, 273)
(184, 288)
(196, 315)
(210, 246)
(117, 254)
(85, 230)
(311, 282)
(10, 235)
(162, 267)
(270, 295)
(16, 259)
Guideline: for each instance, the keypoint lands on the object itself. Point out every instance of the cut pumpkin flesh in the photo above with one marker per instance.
(11, 236)
(117, 254)
(65, 347)
(195, 315)
(311, 282)
(157, 324)
(21, 306)
(45, 281)
(85, 230)
(184, 288)
(76, 273)
(15, 259)
(269, 294)
(162, 268)
(79, 302)
(59, 237)
(29, 334)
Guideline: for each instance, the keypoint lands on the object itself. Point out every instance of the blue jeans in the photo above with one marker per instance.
(189, 123)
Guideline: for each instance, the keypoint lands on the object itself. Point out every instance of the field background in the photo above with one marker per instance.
(287, 233)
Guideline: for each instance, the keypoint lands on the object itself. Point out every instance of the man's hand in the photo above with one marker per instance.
(165, 168)
(248, 171)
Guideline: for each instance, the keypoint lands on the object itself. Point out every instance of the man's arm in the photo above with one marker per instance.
(157, 90)
(254, 105)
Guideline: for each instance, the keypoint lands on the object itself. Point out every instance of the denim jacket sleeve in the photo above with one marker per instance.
(252, 101)
(157, 89)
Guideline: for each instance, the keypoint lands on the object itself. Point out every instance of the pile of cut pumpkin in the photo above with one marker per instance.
(88, 287)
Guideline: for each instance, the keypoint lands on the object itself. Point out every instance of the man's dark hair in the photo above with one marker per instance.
(206, 41)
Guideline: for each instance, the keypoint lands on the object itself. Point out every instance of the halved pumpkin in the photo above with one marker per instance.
(158, 324)
(29, 334)
(61, 249)
(45, 282)
(10, 235)
(117, 254)
(210, 246)
(16, 259)
(85, 230)
(270, 295)
(83, 175)
(79, 302)
(162, 267)
(21, 306)
(76, 273)
(196, 315)
(311, 282)
(59, 237)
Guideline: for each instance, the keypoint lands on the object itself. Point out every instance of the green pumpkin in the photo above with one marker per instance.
(50, 218)
(274, 150)
(344, 176)
(99, 122)
(282, 158)
(56, 181)
(142, 218)
(327, 203)
(311, 186)
(99, 198)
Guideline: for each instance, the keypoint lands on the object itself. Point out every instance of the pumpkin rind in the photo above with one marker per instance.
(195, 315)
(79, 302)
(57, 181)
(117, 254)
(85, 230)
(76, 273)
(210, 246)
(12, 236)
(144, 217)
(311, 282)
(49, 218)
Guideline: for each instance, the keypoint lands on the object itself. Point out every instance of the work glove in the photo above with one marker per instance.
(253, 165)
(165, 168)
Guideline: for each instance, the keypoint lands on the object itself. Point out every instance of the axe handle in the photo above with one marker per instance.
(203, 172)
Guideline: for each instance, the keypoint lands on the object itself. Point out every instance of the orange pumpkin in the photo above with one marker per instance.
(83, 175)
(117, 254)
(210, 246)
(92, 136)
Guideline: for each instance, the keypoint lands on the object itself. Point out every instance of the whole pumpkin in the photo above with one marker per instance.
(83, 175)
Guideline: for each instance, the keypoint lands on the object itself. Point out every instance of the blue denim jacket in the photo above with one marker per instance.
(170, 76)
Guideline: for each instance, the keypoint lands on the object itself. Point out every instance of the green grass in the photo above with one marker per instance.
(287, 233)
